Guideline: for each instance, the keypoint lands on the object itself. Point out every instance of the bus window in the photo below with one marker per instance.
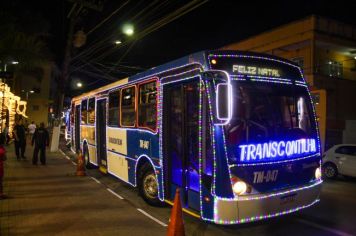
(114, 103)
(84, 112)
(91, 111)
(128, 109)
(147, 110)
(72, 113)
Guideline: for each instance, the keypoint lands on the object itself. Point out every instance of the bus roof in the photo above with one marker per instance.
(198, 57)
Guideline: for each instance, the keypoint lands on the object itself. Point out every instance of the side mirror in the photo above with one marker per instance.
(223, 103)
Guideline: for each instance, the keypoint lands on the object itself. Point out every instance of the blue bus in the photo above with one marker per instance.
(235, 131)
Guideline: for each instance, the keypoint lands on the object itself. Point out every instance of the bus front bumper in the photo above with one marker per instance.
(263, 206)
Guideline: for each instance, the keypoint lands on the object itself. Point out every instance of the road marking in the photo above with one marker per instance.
(96, 180)
(117, 195)
(64, 154)
(318, 226)
(152, 218)
(74, 163)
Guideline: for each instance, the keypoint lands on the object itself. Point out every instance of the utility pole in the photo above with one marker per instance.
(73, 15)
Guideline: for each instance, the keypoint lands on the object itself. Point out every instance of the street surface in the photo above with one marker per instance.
(50, 200)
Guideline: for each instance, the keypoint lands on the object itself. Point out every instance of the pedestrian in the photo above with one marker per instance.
(31, 129)
(2, 159)
(40, 139)
(20, 139)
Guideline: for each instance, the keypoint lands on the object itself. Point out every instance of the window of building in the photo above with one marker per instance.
(84, 112)
(128, 108)
(332, 68)
(147, 105)
(91, 111)
(299, 61)
(114, 103)
(335, 68)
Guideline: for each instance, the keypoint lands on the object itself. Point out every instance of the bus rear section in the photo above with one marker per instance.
(263, 159)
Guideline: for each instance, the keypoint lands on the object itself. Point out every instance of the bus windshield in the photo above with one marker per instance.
(265, 112)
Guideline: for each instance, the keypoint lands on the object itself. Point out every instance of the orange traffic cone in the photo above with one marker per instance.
(80, 165)
(176, 226)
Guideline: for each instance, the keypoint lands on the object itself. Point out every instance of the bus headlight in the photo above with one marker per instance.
(317, 173)
(239, 187)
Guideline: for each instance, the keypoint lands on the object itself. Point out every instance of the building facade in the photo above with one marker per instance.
(36, 91)
(326, 50)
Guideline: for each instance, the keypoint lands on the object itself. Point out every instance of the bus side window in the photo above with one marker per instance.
(147, 110)
(128, 108)
(84, 112)
(72, 113)
(114, 103)
(91, 111)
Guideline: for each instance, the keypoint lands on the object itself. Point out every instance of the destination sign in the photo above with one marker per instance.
(254, 70)
(249, 66)
(273, 151)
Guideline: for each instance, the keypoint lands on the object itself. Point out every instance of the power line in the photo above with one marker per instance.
(107, 18)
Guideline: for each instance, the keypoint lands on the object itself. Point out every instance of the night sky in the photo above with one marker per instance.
(212, 25)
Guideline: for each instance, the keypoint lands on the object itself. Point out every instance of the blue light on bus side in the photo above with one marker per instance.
(276, 150)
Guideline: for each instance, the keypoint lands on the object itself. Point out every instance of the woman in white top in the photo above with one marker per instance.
(31, 128)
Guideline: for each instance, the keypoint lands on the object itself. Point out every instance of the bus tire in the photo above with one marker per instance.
(88, 165)
(148, 185)
(330, 170)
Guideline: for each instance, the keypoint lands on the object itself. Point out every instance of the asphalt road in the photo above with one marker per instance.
(335, 214)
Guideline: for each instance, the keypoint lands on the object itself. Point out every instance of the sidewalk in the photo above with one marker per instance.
(50, 200)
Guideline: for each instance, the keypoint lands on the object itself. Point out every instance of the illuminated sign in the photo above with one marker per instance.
(254, 70)
(275, 150)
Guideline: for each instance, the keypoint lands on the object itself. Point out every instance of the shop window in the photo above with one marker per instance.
(91, 111)
(84, 112)
(114, 103)
(128, 108)
(147, 106)
(299, 61)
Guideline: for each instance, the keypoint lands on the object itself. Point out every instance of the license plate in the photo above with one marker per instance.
(288, 198)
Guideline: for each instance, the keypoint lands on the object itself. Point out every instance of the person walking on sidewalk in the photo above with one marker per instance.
(40, 139)
(20, 139)
(2, 159)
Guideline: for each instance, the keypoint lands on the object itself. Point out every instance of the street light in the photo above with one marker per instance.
(15, 62)
(117, 42)
(79, 84)
(128, 29)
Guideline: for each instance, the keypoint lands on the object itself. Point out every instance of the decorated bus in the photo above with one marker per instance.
(235, 131)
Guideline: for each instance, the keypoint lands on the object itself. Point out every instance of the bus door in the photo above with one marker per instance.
(181, 132)
(101, 134)
(77, 127)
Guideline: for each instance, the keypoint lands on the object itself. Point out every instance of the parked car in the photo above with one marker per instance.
(340, 159)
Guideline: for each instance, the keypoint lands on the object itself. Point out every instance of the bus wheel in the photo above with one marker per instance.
(148, 185)
(330, 171)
